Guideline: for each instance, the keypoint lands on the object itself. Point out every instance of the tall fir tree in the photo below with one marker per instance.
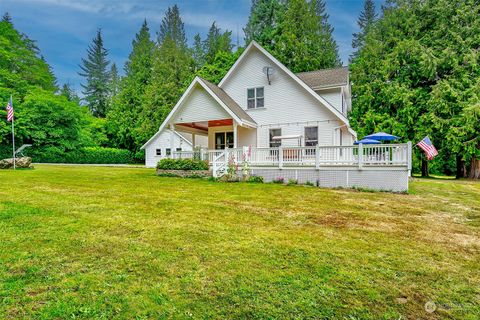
(114, 85)
(198, 52)
(172, 27)
(68, 92)
(7, 18)
(297, 32)
(423, 80)
(171, 73)
(217, 41)
(365, 21)
(123, 117)
(94, 69)
(264, 19)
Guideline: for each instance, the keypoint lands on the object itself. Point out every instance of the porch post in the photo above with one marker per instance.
(172, 140)
(235, 135)
(193, 140)
(360, 156)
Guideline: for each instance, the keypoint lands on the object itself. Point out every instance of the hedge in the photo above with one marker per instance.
(92, 155)
(182, 164)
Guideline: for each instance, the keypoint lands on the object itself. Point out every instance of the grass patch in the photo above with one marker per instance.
(95, 242)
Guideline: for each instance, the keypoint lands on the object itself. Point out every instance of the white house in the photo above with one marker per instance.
(285, 118)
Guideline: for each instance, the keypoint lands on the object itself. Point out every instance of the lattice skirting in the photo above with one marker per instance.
(376, 178)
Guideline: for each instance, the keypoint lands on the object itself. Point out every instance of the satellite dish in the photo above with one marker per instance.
(269, 71)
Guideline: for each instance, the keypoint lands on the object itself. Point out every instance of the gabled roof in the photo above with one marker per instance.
(325, 78)
(228, 101)
(319, 98)
(223, 99)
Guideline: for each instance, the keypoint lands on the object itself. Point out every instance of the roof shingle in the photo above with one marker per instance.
(228, 101)
(325, 78)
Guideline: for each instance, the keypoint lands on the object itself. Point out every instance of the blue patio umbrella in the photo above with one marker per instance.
(381, 136)
(367, 141)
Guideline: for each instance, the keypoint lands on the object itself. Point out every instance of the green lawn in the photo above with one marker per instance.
(96, 242)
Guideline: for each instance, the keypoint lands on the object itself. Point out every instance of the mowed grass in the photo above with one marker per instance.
(103, 243)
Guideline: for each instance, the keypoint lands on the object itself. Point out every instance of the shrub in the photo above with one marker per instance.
(92, 155)
(255, 179)
(291, 182)
(309, 183)
(182, 164)
(279, 180)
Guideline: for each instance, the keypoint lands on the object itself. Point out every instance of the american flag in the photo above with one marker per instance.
(427, 146)
(10, 110)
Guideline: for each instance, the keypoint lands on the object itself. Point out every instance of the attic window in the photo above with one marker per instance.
(255, 98)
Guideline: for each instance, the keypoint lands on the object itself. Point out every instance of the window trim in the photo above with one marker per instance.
(305, 137)
(158, 152)
(255, 98)
(270, 136)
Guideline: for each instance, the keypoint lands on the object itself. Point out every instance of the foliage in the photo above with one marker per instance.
(124, 121)
(94, 70)
(215, 42)
(279, 180)
(182, 164)
(292, 182)
(255, 179)
(365, 21)
(296, 32)
(215, 71)
(91, 155)
(70, 94)
(417, 74)
(309, 183)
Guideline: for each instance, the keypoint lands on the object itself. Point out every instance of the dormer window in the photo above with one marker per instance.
(255, 98)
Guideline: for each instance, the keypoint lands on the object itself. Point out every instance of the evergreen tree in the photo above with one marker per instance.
(172, 27)
(198, 52)
(70, 94)
(94, 69)
(263, 22)
(7, 18)
(297, 32)
(172, 72)
(123, 117)
(365, 21)
(217, 41)
(114, 85)
(423, 80)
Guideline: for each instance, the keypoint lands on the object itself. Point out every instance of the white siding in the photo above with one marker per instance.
(162, 141)
(333, 96)
(287, 104)
(200, 106)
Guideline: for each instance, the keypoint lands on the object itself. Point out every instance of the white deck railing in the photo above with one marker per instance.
(361, 155)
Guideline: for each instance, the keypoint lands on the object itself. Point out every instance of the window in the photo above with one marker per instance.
(158, 152)
(179, 149)
(255, 98)
(168, 151)
(223, 140)
(311, 136)
(277, 142)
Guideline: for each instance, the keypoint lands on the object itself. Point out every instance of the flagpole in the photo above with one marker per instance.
(13, 136)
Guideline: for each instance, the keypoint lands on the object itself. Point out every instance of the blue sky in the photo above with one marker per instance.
(64, 28)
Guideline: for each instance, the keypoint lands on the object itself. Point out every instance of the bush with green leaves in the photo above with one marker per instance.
(182, 164)
(92, 155)
(255, 179)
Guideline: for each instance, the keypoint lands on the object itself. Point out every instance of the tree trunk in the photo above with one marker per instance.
(424, 168)
(474, 168)
(461, 172)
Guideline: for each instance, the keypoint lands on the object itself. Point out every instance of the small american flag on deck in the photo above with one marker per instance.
(427, 146)
(10, 110)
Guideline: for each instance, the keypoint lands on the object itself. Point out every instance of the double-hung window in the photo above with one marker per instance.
(311, 140)
(158, 152)
(255, 98)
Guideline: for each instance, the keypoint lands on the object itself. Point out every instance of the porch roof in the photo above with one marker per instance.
(228, 101)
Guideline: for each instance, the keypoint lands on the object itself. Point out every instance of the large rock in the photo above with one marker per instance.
(23, 162)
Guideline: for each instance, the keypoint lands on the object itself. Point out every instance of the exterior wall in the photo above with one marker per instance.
(325, 133)
(287, 104)
(334, 96)
(162, 141)
(375, 178)
(200, 106)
